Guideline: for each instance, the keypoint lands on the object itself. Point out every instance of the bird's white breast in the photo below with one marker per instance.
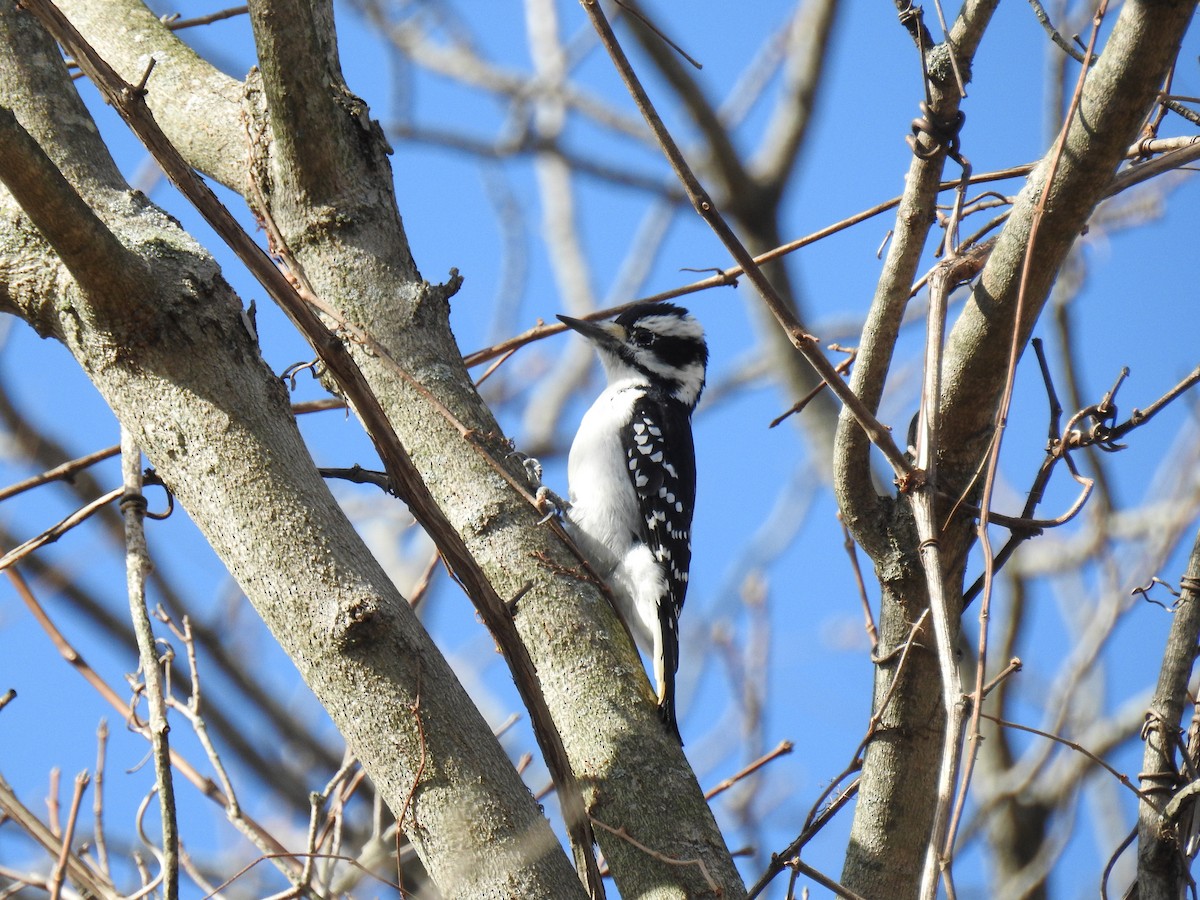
(603, 501)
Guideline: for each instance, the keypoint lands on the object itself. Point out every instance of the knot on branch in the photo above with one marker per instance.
(912, 480)
(359, 623)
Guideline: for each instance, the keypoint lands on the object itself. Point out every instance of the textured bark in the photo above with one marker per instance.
(321, 175)
(1119, 90)
(346, 234)
(1163, 870)
(897, 793)
(198, 106)
(893, 818)
(179, 368)
(1116, 96)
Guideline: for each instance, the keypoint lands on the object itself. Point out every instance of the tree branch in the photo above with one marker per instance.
(1162, 865)
(198, 106)
(337, 614)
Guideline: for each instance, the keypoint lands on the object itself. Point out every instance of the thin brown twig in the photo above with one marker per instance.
(98, 838)
(1078, 748)
(62, 472)
(420, 590)
(624, 835)
(260, 836)
(52, 534)
(501, 360)
(637, 14)
(1014, 666)
(177, 24)
(851, 549)
(993, 456)
(841, 368)
(60, 867)
(782, 749)
(824, 880)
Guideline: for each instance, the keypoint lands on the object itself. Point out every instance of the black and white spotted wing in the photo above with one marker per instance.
(662, 467)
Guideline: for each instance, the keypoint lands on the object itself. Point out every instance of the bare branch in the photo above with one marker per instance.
(137, 564)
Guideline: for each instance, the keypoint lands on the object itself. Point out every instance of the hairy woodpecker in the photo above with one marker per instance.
(632, 474)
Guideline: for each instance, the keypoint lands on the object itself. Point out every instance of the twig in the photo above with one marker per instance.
(1112, 861)
(258, 835)
(420, 590)
(52, 534)
(177, 24)
(815, 822)
(637, 14)
(1141, 416)
(139, 819)
(852, 553)
(1014, 666)
(783, 749)
(64, 472)
(98, 837)
(654, 854)
(826, 882)
(52, 801)
(1078, 748)
(137, 564)
(841, 368)
(944, 278)
(60, 867)
(1062, 43)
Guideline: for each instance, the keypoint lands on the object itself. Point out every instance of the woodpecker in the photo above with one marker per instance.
(632, 474)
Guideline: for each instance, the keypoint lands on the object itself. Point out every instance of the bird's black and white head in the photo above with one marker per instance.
(657, 344)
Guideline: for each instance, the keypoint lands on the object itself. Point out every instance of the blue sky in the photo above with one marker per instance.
(759, 502)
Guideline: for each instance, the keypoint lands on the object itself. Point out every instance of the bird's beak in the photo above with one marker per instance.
(600, 333)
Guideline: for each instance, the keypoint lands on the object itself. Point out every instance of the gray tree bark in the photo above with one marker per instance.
(884, 860)
(162, 337)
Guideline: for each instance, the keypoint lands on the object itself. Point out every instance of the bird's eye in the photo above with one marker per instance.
(642, 337)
